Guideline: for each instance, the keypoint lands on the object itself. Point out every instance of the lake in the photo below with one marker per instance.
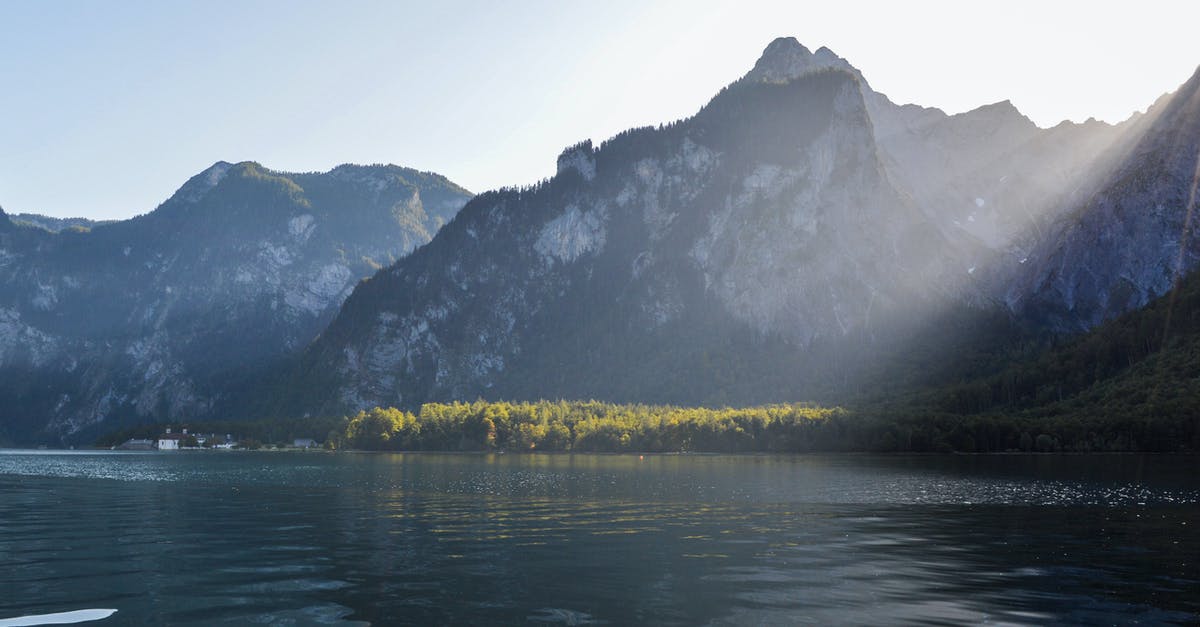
(314, 538)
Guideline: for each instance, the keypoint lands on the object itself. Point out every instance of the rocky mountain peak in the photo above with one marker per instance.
(581, 157)
(198, 185)
(215, 172)
(999, 113)
(786, 59)
(1186, 100)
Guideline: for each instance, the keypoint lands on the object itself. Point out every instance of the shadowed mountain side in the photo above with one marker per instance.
(1131, 238)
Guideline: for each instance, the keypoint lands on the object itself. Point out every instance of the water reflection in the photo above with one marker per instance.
(312, 538)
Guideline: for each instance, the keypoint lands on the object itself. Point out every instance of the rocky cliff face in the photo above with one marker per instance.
(739, 255)
(1132, 237)
(157, 317)
(741, 219)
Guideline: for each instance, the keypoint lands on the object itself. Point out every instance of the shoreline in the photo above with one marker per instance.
(324, 451)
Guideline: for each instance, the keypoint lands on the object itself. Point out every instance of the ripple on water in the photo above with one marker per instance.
(428, 539)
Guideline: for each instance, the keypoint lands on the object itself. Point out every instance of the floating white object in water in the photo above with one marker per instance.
(61, 618)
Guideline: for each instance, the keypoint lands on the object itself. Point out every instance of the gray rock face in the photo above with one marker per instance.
(1132, 237)
(799, 211)
(808, 248)
(160, 316)
(786, 60)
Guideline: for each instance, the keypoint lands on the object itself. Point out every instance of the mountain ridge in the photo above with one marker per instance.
(160, 317)
(1132, 239)
(800, 237)
(759, 229)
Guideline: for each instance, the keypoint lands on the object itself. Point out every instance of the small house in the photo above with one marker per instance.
(304, 443)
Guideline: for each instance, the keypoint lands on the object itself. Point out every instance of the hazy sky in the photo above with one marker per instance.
(108, 107)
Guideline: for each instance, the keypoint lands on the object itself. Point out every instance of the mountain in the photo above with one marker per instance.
(1132, 238)
(800, 237)
(1128, 384)
(161, 316)
(797, 232)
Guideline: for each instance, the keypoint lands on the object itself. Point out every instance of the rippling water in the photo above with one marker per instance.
(313, 538)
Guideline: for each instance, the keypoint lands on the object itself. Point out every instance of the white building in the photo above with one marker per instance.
(170, 441)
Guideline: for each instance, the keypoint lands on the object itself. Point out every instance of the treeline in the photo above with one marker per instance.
(912, 428)
(1131, 384)
(1168, 326)
(597, 427)
(592, 426)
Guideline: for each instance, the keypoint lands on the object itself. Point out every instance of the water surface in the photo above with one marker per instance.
(313, 538)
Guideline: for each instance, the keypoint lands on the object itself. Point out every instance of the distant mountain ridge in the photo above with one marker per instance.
(798, 227)
(55, 225)
(158, 317)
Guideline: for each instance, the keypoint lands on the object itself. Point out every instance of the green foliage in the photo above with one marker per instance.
(591, 426)
(1132, 384)
(380, 429)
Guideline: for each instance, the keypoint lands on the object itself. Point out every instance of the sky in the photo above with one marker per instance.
(108, 107)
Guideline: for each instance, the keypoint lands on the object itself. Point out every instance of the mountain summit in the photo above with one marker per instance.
(786, 59)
